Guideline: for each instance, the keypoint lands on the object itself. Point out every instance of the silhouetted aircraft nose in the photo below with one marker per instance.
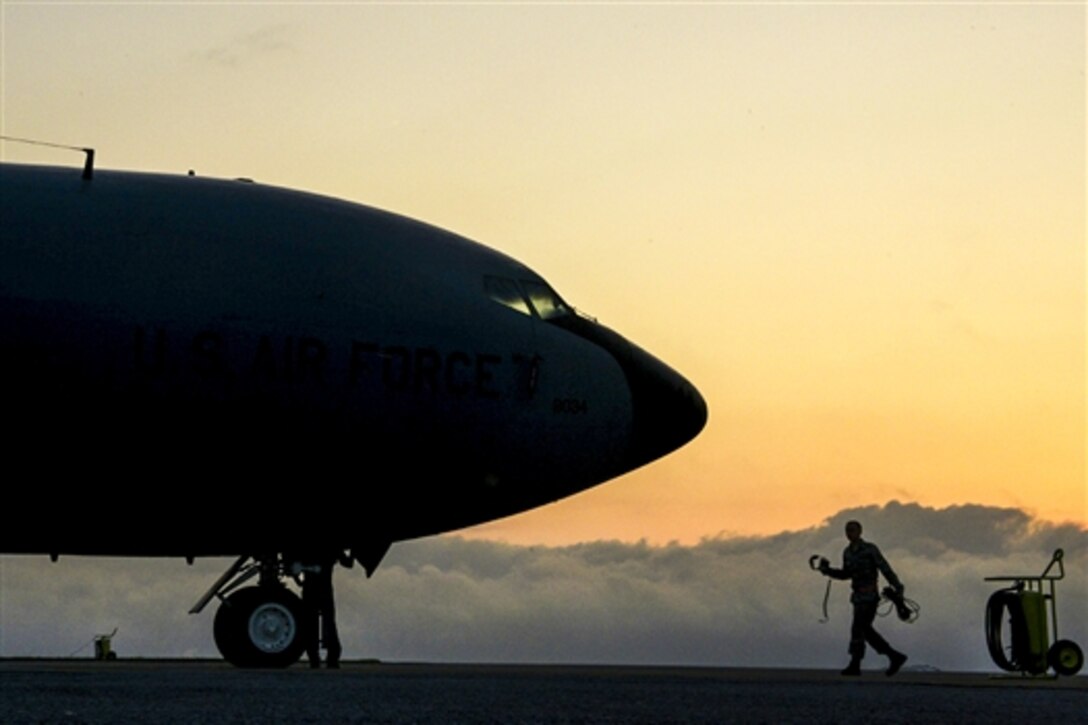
(668, 410)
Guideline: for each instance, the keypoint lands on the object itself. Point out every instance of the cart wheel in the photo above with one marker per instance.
(1065, 657)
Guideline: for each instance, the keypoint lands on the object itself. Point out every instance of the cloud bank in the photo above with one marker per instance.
(749, 601)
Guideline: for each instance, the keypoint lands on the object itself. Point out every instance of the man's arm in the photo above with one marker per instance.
(827, 570)
(886, 569)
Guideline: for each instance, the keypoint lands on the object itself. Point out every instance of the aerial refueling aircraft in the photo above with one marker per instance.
(194, 367)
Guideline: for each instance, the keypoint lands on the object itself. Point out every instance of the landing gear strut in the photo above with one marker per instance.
(268, 625)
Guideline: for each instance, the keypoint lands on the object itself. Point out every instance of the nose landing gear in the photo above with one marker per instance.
(261, 626)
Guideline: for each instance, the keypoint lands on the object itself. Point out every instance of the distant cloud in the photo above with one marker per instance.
(749, 601)
(271, 39)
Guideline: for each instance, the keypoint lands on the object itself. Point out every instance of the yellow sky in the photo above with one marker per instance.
(858, 228)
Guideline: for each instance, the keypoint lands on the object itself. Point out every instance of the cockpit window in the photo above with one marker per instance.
(506, 292)
(527, 297)
(544, 300)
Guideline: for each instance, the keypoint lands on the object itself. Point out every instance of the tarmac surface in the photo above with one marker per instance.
(199, 691)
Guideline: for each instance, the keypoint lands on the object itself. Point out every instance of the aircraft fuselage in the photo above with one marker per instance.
(252, 369)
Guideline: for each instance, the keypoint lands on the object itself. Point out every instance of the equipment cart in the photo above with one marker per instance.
(1029, 650)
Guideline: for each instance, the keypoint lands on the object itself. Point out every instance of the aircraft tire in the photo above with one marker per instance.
(1066, 657)
(261, 627)
(226, 632)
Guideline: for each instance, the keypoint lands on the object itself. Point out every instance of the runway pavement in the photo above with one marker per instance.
(198, 691)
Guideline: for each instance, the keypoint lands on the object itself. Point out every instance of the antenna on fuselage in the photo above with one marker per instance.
(88, 164)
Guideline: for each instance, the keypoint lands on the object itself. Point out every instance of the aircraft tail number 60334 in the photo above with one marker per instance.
(263, 373)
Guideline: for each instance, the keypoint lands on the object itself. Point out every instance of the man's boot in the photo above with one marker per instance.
(895, 660)
(853, 669)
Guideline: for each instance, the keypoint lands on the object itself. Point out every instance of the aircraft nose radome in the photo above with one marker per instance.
(668, 410)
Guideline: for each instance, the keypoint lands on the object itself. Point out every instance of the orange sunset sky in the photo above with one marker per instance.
(858, 228)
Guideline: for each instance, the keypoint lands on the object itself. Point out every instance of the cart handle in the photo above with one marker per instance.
(1056, 559)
